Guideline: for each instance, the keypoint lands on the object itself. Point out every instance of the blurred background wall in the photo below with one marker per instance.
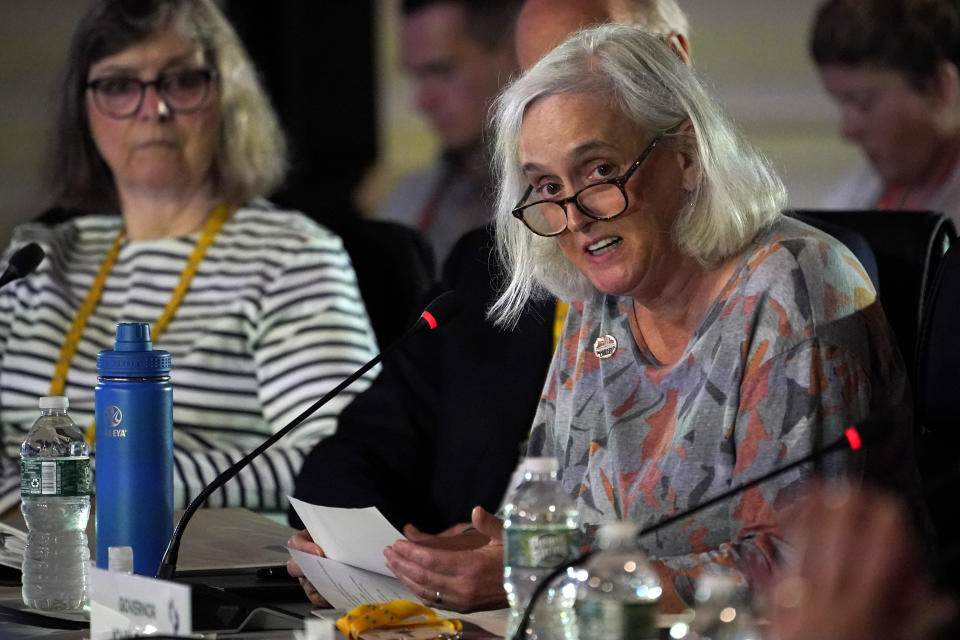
(33, 38)
(335, 78)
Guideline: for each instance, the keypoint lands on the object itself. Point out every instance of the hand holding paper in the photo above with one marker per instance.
(354, 571)
(355, 537)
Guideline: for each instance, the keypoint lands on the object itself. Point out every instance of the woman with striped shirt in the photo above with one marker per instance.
(162, 119)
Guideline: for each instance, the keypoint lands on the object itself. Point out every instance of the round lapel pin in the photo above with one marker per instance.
(605, 346)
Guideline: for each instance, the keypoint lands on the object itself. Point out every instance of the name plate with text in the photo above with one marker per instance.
(123, 604)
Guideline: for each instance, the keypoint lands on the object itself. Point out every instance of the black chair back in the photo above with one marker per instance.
(938, 374)
(395, 268)
(938, 412)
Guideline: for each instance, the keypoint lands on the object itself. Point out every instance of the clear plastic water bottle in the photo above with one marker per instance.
(516, 479)
(617, 589)
(541, 530)
(55, 500)
(724, 610)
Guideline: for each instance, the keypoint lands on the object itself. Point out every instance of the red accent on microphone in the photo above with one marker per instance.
(431, 321)
(853, 437)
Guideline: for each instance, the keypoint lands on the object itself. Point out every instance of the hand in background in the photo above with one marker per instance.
(410, 532)
(459, 536)
(856, 573)
(465, 568)
(301, 541)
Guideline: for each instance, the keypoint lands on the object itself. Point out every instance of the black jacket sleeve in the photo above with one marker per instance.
(440, 429)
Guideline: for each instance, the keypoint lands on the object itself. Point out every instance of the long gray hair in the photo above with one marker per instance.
(250, 159)
(738, 193)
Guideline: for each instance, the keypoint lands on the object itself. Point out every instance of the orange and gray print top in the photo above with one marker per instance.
(794, 350)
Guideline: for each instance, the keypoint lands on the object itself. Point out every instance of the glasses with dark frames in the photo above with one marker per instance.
(602, 200)
(183, 91)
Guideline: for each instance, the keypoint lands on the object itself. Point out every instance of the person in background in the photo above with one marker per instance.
(459, 53)
(892, 69)
(543, 24)
(440, 430)
(165, 135)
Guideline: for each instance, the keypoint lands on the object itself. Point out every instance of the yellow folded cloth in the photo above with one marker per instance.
(396, 613)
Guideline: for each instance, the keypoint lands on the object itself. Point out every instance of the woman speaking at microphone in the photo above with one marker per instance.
(709, 340)
(168, 143)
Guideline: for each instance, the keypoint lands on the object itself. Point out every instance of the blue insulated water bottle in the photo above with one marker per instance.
(134, 449)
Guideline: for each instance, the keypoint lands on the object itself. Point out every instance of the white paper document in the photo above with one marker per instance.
(352, 536)
(346, 587)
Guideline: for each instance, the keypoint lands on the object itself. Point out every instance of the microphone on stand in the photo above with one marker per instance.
(870, 432)
(440, 310)
(22, 263)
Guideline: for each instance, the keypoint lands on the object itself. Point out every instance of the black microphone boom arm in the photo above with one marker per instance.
(441, 309)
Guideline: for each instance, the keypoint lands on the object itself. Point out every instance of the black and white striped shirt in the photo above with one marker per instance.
(272, 320)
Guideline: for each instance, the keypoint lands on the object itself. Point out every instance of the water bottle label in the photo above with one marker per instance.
(611, 618)
(55, 477)
(539, 549)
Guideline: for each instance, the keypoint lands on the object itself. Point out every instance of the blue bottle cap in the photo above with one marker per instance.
(133, 336)
(133, 355)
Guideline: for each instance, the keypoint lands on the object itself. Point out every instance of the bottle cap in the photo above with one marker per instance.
(545, 464)
(120, 559)
(54, 402)
(133, 355)
(716, 588)
(133, 336)
(612, 532)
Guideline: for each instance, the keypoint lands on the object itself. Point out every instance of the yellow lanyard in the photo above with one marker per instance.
(558, 318)
(72, 339)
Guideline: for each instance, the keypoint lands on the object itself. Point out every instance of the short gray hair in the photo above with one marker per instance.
(738, 192)
(250, 159)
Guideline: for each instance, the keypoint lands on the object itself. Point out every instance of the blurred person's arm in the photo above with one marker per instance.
(855, 573)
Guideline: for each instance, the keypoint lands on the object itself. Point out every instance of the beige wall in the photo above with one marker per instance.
(33, 38)
(752, 52)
